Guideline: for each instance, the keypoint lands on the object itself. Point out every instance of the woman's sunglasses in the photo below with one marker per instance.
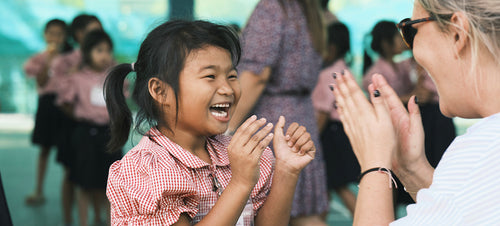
(408, 32)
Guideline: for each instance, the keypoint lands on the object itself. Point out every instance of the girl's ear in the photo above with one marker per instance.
(158, 90)
(459, 31)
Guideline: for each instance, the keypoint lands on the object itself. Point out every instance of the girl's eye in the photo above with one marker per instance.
(210, 76)
(233, 76)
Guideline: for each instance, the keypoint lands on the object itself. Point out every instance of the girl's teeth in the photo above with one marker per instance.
(219, 114)
(220, 105)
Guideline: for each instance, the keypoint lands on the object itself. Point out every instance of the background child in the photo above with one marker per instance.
(342, 166)
(183, 171)
(84, 94)
(47, 114)
(80, 26)
(387, 43)
(60, 69)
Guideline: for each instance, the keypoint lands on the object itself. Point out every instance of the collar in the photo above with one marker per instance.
(216, 147)
(484, 121)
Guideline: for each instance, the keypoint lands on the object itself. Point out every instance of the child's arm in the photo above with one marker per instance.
(293, 152)
(38, 67)
(245, 150)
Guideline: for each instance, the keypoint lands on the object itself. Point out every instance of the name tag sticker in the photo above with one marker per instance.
(97, 96)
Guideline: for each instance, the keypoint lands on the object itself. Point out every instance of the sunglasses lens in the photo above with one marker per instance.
(409, 34)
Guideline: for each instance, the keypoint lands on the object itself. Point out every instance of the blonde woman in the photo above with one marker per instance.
(456, 42)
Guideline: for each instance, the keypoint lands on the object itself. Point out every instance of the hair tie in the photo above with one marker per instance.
(132, 65)
(381, 170)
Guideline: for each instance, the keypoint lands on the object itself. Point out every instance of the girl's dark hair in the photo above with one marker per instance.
(80, 22)
(56, 22)
(384, 31)
(162, 55)
(92, 39)
(338, 35)
(59, 23)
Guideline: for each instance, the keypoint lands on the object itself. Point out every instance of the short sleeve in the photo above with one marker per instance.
(261, 37)
(263, 186)
(464, 190)
(144, 190)
(34, 66)
(322, 97)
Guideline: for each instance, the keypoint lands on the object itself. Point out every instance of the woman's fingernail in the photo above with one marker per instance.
(334, 75)
(416, 100)
(290, 144)
(331, 87)
(376, 93)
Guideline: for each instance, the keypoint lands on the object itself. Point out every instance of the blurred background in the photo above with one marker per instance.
(127, 21)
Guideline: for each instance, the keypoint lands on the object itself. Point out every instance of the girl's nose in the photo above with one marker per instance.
(225, 89)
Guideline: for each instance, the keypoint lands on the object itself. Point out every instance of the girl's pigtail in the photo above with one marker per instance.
(119, 113)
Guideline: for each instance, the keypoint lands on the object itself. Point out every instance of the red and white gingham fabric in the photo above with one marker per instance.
(158, 180)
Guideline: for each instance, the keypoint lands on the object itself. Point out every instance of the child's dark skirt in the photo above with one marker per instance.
(92, 159)
(342, 167)
(47, 122)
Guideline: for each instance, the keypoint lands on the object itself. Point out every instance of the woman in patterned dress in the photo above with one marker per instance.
(281, 59)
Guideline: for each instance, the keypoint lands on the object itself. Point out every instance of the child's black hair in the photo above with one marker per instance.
(59, 23)
(56, 22)
(384, 31)
(162, 55)
(80, 22)
(92, 39)
(338, 35)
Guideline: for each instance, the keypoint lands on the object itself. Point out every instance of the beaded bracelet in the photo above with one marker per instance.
(380, 170)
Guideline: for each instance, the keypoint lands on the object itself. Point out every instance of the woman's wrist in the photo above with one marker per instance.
(376, 164)
(416, 177)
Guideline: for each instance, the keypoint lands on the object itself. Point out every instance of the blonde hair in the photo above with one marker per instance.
(313, 13)
(484, 22)
(315, 24)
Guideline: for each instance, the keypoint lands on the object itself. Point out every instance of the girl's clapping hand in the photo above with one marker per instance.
(293, 150)
(245, 149)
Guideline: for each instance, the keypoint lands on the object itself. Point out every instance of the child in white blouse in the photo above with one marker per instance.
(184, 171)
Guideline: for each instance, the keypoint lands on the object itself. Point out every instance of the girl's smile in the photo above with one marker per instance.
(221, 111)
